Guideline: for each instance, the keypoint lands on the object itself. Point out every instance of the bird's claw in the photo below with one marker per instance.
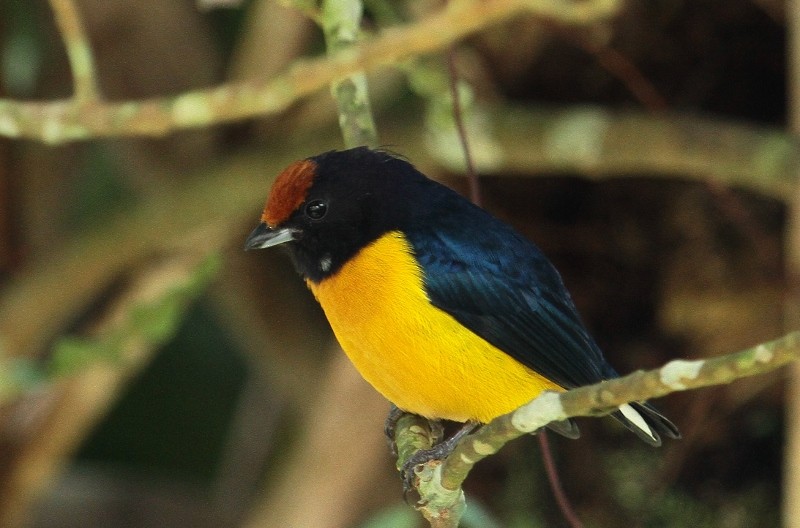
(390, 428)
(438, 452)
(390, 425)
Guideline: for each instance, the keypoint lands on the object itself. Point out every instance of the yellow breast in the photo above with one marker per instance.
(417, 356)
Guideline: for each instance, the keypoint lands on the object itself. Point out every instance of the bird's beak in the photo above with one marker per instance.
(264, 236)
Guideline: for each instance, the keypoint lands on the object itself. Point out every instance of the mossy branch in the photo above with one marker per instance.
(439, 483)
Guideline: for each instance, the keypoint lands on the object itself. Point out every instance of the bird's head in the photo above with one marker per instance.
(326, 208)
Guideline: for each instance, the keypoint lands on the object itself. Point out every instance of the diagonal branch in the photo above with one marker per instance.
(440, 482)
(69, 120)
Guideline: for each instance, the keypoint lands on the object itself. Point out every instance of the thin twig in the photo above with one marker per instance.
(78, 48)
(617, 64)
(555, 482)
(458, 118)
(475, 195)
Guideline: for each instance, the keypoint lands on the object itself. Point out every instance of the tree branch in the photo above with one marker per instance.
(597, 142)
(70, 120)
(439, 483)
(79, 50)
(341, 23)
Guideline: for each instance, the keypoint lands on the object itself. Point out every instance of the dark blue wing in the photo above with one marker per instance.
(500, 286)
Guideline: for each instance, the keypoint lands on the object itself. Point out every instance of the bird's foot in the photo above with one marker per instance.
(390, 426)
(438, 452)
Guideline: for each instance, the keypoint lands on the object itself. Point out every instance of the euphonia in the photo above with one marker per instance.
(445, 310)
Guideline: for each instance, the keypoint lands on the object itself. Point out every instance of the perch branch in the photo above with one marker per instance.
(439, 483)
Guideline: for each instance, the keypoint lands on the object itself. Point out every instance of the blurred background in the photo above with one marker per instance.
(155, 375)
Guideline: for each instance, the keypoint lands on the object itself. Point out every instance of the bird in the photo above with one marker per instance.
(447, 311)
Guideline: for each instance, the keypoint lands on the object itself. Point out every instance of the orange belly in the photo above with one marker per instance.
(417, 356)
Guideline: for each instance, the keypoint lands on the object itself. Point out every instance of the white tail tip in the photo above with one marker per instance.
(636, 419)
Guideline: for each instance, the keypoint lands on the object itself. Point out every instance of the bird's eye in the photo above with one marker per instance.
(316, 209)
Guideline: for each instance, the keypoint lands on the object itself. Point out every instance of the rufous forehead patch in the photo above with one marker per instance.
(288, 191)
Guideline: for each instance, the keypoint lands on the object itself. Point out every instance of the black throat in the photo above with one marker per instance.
(319, 256)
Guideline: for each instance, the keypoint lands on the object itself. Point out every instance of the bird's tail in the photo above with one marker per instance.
(646, 422)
